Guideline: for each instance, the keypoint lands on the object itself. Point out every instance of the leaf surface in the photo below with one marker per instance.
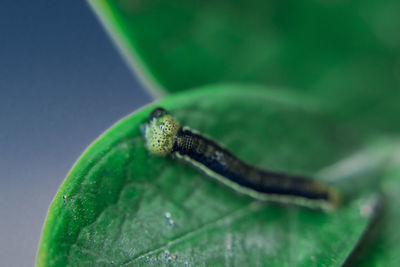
(343, 52)
(119, 205)
(381, 246)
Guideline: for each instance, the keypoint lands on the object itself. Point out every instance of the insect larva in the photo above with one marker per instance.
(164, 135)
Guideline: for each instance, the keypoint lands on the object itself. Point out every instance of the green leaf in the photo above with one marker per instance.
(381, 246)
(119, 205)
(343, 53)
(340, 51)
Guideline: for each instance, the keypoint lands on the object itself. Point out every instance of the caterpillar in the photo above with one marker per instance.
(165, 136)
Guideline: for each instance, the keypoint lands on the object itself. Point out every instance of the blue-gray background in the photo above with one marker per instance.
(62, 83)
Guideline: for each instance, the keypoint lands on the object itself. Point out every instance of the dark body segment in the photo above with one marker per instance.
(222, 162)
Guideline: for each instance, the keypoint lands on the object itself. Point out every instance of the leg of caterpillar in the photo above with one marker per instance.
(220, 164)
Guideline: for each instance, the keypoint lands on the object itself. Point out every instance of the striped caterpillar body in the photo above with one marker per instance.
(164, 135)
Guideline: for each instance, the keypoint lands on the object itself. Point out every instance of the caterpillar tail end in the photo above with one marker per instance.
(335, 199)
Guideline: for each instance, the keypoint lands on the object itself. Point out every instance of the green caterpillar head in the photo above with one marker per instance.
(159, 131)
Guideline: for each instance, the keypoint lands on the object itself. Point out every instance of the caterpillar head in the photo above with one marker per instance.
(159, 131)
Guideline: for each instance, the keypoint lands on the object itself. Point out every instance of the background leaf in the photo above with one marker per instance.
(120, 205)
(344, 53)
(339, 51)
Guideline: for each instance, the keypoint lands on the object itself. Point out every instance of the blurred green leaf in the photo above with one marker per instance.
(119, 205)
(381, 245)
(344, 52)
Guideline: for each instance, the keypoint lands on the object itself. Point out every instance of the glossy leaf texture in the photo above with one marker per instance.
(345, 53)
(119, 205)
